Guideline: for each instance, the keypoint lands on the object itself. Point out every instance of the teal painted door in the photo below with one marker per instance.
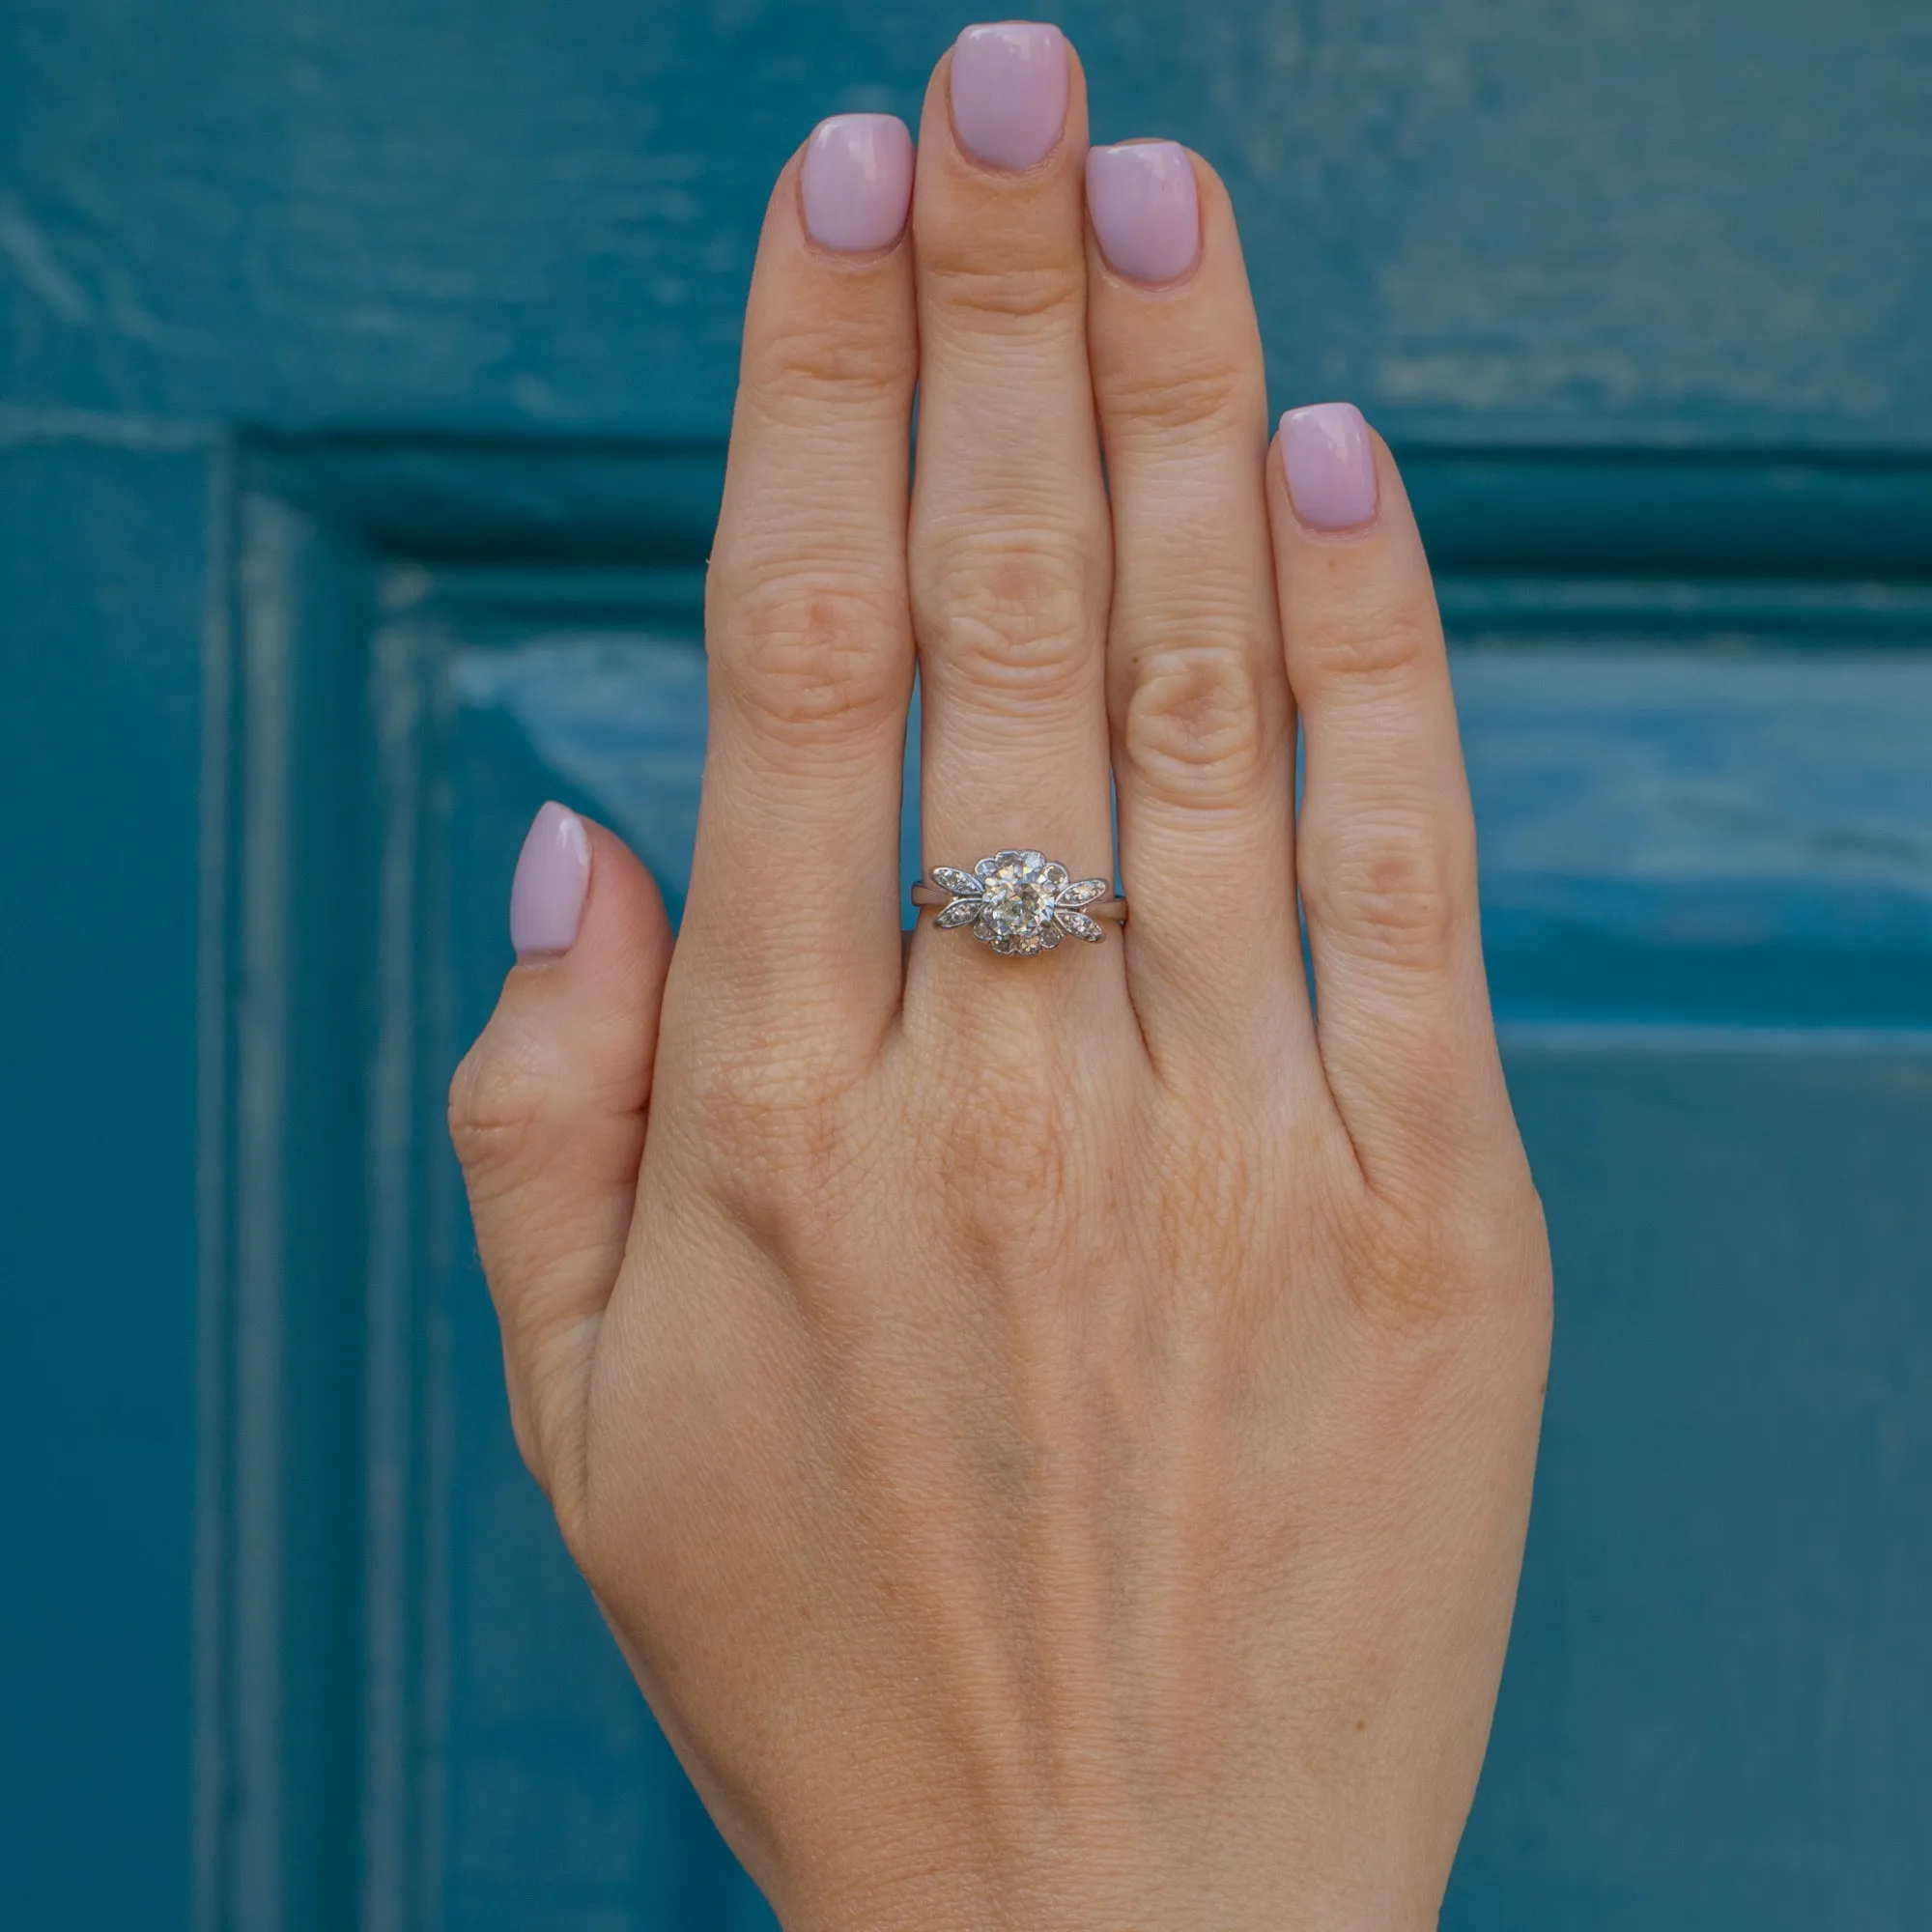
(363, 376)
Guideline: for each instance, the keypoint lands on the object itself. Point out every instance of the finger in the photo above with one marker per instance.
(793, 912)
(1008, 549)
(547, 1112)
(1386, 842)
(1204, 735)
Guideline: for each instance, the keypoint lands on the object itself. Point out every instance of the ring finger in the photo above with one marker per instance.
(1010, 558)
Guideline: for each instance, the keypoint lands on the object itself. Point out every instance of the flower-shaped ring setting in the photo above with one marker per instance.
(1020, 902)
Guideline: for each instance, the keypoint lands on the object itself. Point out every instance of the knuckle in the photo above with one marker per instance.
(775, 1116)
(496, 1103)
(1019, 297)
(1012, 1146)
(818, 361)
(1149, 392)
(1409, 1269)
(787, 1156)
(1435, 1256)
(1380, 639)
(803, 648)
(1199, 716)
(1008, 1138)
(1388, 892)
(1221, 1184)
(752, 1110)
(1008, 615)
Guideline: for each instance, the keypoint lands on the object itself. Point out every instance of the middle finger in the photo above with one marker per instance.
(1009, 558)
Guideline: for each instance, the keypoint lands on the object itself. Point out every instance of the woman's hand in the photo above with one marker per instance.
(1053, 1435)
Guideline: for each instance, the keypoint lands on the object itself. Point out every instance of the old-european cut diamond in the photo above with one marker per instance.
(1017, 892)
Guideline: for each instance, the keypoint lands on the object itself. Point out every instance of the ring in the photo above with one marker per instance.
(1020, 902)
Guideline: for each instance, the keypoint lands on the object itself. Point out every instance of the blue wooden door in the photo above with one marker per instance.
(363, 376)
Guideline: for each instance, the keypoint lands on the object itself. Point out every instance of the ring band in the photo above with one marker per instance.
(1020, 902)
(924, 894)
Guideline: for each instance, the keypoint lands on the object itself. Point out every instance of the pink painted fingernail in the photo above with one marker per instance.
(857, 182)
(1331, 465)
(552, 877)
(1141, 196)
(1010, 92)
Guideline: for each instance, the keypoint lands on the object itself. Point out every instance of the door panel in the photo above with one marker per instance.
(102, 595)
(1719, 1682)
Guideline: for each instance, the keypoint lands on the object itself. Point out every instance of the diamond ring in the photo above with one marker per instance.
(1020, 902)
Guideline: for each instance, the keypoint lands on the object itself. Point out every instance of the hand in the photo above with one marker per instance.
(1053, 1435)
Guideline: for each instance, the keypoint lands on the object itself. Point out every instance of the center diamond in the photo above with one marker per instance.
(1016, 896)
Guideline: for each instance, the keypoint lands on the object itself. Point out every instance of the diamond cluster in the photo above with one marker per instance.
(1020, 902)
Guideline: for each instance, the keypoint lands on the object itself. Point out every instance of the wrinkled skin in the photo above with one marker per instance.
(1053, 1437)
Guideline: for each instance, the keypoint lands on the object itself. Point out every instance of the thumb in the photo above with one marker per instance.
(547, 1112)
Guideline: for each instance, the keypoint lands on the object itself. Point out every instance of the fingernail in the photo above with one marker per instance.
(857, 181)
(553, 876)
(1010, 92)
(1330, 465)
(1141, 196)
